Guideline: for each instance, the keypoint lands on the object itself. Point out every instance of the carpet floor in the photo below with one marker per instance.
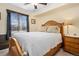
(4, 52)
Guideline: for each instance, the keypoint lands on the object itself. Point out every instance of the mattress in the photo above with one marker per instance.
(37, 43)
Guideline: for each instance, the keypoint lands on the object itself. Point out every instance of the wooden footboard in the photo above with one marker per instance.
(16, 50)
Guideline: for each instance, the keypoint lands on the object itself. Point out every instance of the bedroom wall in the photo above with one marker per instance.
(67, 12)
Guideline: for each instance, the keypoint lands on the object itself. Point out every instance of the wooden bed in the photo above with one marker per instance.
(16, 50)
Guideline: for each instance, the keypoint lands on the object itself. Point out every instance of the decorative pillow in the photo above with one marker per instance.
(53, 29)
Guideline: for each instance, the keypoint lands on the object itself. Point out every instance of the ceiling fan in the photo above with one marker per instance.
(35, 4)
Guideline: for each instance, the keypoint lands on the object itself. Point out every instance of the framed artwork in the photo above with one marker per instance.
(33, 21)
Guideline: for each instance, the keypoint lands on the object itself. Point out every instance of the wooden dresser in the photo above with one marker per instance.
(71, 44)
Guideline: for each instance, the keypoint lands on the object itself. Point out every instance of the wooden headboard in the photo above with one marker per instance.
(54, 23)
(51, 23)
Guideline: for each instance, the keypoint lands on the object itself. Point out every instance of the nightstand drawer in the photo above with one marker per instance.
(71, 50)
(71, 44)
(74, 40)
(74, 45)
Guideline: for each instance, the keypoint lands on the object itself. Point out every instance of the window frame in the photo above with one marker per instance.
(9, 22)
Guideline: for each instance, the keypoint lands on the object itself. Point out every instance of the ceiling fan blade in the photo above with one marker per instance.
(43, 3)
(35, 6)
(26, 3)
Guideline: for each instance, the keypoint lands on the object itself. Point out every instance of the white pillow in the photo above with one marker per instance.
(53, 29)
(44, 28)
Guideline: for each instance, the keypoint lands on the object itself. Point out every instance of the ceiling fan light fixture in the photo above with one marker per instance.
(36, 4)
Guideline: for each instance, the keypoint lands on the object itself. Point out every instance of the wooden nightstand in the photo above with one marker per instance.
(71, 44)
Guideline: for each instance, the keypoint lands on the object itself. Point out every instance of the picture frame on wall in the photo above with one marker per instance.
(33, 21)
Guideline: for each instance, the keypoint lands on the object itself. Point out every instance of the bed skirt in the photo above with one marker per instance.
(53, 51)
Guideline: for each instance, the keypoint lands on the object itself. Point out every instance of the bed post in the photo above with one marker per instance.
(62, 30)
(14, 48)
(62, 33)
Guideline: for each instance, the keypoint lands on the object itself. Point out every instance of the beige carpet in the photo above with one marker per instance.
(63, 53)
(60, 53)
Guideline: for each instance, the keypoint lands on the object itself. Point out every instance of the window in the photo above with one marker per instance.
(23, 22)
(16, 22)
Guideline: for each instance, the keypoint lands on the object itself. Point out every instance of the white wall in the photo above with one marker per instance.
(67, 12)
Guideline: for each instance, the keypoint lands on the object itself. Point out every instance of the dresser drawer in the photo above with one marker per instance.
(74, 45)
(73, 40)
(71, 44)
(71, 50)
